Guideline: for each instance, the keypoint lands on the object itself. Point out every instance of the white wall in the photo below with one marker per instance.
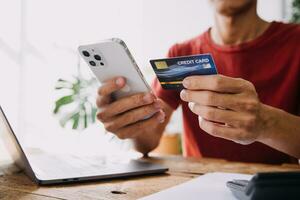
(271, 9)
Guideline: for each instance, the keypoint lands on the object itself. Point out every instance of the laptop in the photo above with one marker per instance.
(46, 169)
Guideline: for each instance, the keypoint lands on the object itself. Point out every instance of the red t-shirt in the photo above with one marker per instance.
(271, 62)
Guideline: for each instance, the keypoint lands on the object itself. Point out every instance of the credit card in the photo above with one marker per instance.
(171, 71)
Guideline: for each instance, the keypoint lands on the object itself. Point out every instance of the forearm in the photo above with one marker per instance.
(150, 139)
(282, 131)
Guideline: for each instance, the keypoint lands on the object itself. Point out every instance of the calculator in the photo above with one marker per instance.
(268, 185)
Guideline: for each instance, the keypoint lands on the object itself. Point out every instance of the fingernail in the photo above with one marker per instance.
(191, 105)
(183, 94)
(161, 117)
(200, 119)
(186, 83)
(148, 98)
(119, 81)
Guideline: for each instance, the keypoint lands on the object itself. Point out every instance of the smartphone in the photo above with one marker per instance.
(110, 58)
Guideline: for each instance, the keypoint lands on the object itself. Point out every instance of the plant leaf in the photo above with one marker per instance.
(78, 93)
(94, 112)
(61, 87)
(85, 122)
(75, 120)
(68, 117)
(62, 101)
(63, 80)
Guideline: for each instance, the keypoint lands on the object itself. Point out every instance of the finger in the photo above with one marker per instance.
(228, 117)
(125, 104)
(237, 102)
(132, 117)
(134, 130)
(218, 83)
(111, 85)
(103, 100)
(209, 98)
(218, 130)
(225, 132)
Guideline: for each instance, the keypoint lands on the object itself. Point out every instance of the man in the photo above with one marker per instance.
(249, 113)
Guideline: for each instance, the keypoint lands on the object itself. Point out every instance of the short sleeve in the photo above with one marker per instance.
(171, 97)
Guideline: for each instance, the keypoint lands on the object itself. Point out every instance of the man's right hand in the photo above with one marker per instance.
(127, 117)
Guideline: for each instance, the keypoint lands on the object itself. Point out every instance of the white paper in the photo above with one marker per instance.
(210, 186)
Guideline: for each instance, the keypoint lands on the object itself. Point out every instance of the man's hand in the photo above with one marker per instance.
(140, 117)
(126, 117)
(227, 107)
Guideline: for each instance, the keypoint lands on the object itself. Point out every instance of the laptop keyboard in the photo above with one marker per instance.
(71, 166)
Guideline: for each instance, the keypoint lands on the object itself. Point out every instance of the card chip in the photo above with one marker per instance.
(161, 64)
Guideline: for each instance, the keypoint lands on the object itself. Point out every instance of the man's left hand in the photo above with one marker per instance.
(226, 107)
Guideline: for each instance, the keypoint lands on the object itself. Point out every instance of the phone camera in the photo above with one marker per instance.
(97, 57)
(101, 63)
(92, 63)
(86, 53)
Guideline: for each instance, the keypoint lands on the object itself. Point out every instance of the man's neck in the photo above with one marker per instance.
(233, 30)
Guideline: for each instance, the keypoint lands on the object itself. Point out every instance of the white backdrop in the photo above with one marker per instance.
(38, 41)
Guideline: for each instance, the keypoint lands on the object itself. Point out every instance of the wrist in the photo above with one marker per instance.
(281, 130)
(270, 123)
(146, 142)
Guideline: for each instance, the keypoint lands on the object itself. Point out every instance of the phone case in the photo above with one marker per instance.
(111, 58)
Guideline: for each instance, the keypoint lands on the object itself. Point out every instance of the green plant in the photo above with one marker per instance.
(78, 103)
(295, 11)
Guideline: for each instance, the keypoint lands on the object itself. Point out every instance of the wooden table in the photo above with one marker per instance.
(18, 186)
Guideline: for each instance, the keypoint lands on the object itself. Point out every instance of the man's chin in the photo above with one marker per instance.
(233, 9)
